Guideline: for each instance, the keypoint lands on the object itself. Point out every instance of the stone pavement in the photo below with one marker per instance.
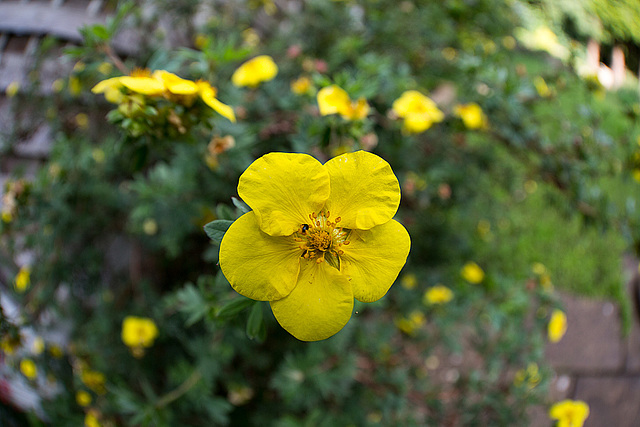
(596, 363)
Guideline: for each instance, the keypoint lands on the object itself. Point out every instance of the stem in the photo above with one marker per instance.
(180, 390)
(115, 59)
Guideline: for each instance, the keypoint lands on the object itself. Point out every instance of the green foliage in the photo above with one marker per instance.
(126, 215)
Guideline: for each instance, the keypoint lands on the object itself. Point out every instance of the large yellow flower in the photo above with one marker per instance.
(318, 236)
(255, 71)
(166, 84)
(569, 413)
(418, 111)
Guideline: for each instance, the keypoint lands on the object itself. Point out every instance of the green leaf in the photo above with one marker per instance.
(242, 206)
(256, 329)
(225, 212)
(100, 32)
(234, 307)
(216, 229)
(192, 303)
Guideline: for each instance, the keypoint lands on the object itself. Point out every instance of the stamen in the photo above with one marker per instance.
(321, 237)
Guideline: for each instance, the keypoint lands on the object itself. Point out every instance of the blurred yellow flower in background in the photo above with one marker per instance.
(94, 380)
(23, 279)
(410, 325)
(165, 84)
(557, 326)
(437, 294)
(301, 85)
(28, 368)
(569, 413)
(91, 419)
(472, 273)
(255, 71)
(472, 115)
(335, 100)
(83, 398)
(418, 111)
(138, 333)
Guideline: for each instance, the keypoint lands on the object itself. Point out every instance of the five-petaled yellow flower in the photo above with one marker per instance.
(418, 111)
(557, 326)
(335, 100)
(438, 294)
(318, 236)
(138, 333)
(472, 273)
(255, 71)
(472, 115)
(165, 84)
(569, 413)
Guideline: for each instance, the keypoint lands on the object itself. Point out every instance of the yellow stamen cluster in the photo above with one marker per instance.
(321, 236)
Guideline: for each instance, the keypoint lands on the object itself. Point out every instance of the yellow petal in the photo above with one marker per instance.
(107, 84)
(259, 69)
(359, 110)
(364, 190)
(175, 84)
(143, 85)
(416, 123)
(332, 100)
(258, 266)
(283, 189)
(319, 306)
(373, 258)
(223, 109)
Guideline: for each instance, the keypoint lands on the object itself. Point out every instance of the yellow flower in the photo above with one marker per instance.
(471, 115)
(105, 68)
(409, 325)
(409, 281)
(255, 71)
(557, 326)
(91, 420)
(531, 375)
(541, 87)
(23, 279)
(301, 85)
(83, 398)
(569, 413)
(472, 273)
(163, 83)
(138, 332)
(12, 89)
(318, 236)
(418, 111)
(437, 295)
(75, 86)
(7, 216)
(37, 347)
(335, 100)
(28, 368)
(94, 380)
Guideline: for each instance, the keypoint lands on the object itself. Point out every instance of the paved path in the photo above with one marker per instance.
(595, 363)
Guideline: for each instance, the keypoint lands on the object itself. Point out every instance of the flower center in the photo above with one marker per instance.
(322, 239)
